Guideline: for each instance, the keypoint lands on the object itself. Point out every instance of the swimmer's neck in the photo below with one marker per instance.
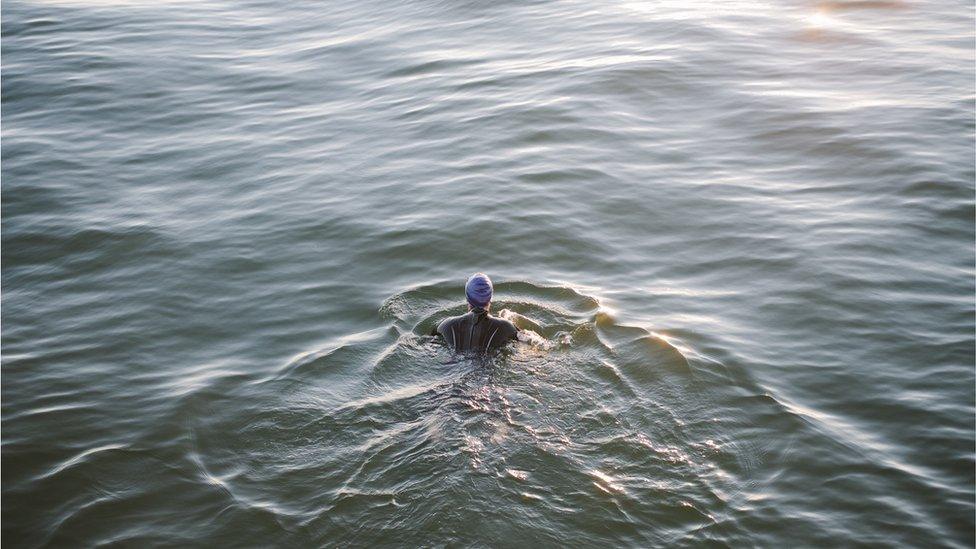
(479, 310)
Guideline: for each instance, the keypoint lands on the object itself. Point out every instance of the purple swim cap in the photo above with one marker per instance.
(478, 290)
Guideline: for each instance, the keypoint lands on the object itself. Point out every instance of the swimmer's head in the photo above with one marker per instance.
(478, 291)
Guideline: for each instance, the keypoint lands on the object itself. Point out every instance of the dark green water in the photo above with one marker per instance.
(745, 231)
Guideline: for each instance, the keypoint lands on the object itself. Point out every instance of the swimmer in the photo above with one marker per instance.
(477, 330)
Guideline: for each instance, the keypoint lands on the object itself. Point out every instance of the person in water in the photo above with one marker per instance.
(477, 330)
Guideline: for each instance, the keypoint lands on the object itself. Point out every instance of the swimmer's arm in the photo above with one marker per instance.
(521, 322)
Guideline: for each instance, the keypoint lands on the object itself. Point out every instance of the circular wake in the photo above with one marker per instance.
(594, 425)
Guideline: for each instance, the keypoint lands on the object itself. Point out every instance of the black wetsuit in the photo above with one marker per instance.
(476, 330)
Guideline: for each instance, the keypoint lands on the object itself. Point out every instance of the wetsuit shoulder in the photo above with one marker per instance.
(448, 328)
(503, 330)
(450, 321)
(507, 325)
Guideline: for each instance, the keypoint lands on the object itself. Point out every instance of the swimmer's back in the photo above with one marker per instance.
(477, 330)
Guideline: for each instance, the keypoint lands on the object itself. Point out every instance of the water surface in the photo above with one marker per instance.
(745, 231)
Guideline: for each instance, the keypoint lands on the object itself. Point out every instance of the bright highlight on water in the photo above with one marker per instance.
(736, 241)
